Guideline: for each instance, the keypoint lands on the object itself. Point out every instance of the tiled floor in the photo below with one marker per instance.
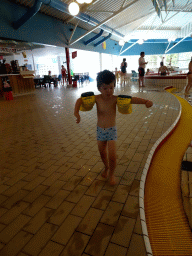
(53, 198)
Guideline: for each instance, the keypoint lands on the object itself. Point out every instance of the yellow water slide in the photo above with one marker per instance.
(168, 228)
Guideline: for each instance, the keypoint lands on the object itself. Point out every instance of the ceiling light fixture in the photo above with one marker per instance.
(173, 38)
(140, 41)
(126, 38)
(81, 1)
(88, 1)
(73, 8)
(121, 42)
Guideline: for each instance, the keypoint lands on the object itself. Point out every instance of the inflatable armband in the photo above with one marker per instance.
(124, 104)
(88, 99)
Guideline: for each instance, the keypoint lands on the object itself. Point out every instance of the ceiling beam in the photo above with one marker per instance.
(180, 10)
(178, 42)
(73, 32)
(171, 17)
(128, 48)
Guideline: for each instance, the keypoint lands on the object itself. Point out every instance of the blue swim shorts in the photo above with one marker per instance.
(105, 134)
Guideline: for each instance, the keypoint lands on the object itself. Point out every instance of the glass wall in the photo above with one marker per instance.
(51, 58)
(86, 62)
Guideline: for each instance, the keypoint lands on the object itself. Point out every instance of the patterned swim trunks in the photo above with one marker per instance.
(105, 134)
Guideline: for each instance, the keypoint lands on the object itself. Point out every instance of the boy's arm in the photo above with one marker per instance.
(76, 110)
(136, 100)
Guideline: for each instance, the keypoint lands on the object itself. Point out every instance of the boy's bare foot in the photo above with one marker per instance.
(105, 174)
(112, 181)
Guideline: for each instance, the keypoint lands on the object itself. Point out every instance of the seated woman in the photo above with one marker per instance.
(163, 70)
(148, 72)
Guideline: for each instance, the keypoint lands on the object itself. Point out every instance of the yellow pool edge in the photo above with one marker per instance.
(162, 139)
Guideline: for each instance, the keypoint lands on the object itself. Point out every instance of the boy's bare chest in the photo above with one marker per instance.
(106, 106)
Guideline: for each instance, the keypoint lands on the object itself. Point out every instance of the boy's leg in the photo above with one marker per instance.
(112, 160)
(102, 145)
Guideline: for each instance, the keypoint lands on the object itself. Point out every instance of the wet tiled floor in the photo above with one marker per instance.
(53, 200)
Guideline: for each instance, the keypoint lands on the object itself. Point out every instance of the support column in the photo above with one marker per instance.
(59, 64)
(33, 62)
(100, 61)
(68, 65)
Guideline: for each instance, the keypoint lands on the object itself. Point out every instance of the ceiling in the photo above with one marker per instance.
(132, 19)
(127, 20)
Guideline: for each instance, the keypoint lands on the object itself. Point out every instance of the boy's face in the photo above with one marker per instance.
(107, 90)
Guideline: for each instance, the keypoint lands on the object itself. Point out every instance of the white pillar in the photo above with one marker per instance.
(100, 61)
(59, 64)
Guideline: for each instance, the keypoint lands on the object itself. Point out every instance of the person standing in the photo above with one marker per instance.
(63, 73)
(123, 70)
(189, 76)
(141, 69)
(117, 75)
(106, 103)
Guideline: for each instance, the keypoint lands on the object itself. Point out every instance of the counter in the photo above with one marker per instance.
(20, 83)
(177, 81)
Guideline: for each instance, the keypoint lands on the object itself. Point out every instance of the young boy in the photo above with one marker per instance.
(106, 120)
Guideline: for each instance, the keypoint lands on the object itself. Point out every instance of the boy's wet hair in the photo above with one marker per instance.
(142, 53)
(105, 77)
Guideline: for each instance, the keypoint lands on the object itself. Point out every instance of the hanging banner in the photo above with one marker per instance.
(74, 55)
(104, 45)
(158, 11)
(24, 54)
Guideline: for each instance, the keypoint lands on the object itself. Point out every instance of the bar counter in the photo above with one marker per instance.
(178, 81)
(19, 83)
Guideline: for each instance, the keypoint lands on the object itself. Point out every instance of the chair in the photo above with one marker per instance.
(134, 76)
(86, 77)
(127, 78)
(46, 80)
(59, 79)
(49, 80)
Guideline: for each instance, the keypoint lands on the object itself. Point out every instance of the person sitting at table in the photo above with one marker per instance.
(52, 79)
(163, 70)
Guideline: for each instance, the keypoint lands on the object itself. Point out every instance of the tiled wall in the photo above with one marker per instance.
(177, 83)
